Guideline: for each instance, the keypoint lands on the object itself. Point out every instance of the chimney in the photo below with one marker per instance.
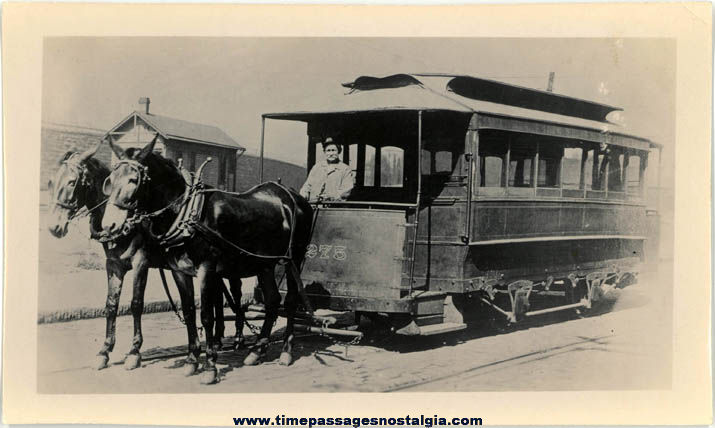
(549, 87)
(147, 101)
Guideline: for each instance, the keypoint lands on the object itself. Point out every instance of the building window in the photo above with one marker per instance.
(222, 171)
(191, 161)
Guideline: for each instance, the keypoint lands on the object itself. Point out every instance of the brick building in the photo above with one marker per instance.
(56, 139)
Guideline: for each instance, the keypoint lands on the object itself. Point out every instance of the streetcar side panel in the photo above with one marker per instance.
(355, 255)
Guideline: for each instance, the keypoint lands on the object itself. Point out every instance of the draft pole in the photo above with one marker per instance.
(260, 162)
(419, 196)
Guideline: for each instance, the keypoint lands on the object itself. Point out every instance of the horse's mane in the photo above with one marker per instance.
(95, 167)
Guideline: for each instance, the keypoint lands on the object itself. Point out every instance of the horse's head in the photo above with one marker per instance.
(141, 182)
(68, 189)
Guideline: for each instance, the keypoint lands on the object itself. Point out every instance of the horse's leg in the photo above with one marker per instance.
(235, 284)
(185, 284)
(140, 265)
(218, 310)
(115, 278)
(207, 285)
(272, 300)
(290, 304)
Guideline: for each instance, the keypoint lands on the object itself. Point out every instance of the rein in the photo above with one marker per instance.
(206, 230)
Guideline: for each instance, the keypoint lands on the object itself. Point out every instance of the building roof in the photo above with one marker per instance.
(458, 93)
(178, 129)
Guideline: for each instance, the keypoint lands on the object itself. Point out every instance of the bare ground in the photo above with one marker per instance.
(624, 344)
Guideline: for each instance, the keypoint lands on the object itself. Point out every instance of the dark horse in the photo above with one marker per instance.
(236, 236)
(77, 184)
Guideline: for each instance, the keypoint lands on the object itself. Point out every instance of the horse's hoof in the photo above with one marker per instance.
(238, 342)
(209, 377)
(102, 361)
(190, 369)
(286, 359)
(132, 361)
(252, 359)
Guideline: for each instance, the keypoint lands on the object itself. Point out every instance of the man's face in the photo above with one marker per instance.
(331, 153)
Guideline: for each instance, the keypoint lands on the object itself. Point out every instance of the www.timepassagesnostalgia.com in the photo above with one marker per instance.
(416, 421)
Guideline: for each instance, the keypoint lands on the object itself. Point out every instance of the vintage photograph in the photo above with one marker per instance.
(355, 214)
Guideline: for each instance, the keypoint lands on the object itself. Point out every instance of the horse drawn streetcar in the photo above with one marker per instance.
(472, 195)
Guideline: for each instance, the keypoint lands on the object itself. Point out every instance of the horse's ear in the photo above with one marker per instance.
(66, 156)
(147, 149)
(116, 149)
(89, 153)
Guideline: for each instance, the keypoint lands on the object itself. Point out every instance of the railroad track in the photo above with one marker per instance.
(484, 368)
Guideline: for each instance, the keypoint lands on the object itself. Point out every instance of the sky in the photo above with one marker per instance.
(230, 82)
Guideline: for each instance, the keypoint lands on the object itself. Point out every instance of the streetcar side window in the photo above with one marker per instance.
(426, 162)
(615, 167)
(633, 174)
(571, 164)
(549, 162)
(492, 157)
(392, 162)
(369, 166)
(588, 170)
(521, 161)
(443, 162)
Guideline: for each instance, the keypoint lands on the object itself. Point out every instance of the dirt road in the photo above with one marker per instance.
(627, 345)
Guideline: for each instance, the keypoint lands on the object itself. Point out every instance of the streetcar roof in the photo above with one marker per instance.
(461, 94)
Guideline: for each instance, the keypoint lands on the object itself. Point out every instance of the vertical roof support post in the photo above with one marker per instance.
(419, 197)
(535, 184)
(560, 174)
(260, 162)
(507, 161)
(582, 174)
(471, 151)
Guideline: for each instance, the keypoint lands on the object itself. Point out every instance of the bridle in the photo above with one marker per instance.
(142, 177)
(83, 180)
(136, 217)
